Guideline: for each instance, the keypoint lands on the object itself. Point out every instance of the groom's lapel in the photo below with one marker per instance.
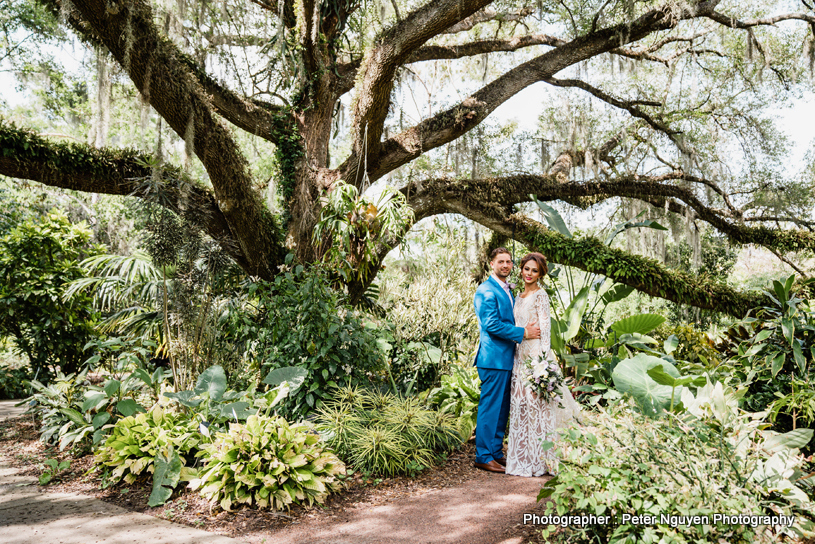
(503, 293)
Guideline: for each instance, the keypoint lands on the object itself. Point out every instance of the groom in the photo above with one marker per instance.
(496, 350)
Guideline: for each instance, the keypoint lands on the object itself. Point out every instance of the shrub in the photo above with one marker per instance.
(302, 322)
(78, 414)
(59, 406)
(38, 257)
(711, 459)
(269, 463)
(131, 448)
(458, 395)
(694, 346)
(386, 434)
(13, 381)
(430, 320)
(773, 354)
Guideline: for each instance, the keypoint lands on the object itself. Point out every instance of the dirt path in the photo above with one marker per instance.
(483, 509)
(480, 511)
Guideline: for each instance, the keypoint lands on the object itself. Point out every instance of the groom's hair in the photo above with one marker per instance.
(497, 251)
(539, 259)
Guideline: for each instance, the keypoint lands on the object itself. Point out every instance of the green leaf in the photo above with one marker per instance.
(111, 387)
(780, 292)
(670, 344)
(128, 407)
(778, 363)
(74, 416)
(788, 329)
(552, 217)
(631, 376)
(547, 489)
(166, 476)
(100, 419)
(93, 399)
(661, 377)
(573, 315)
(799, 357)
(212, 381)
(144, 376)
(797, 438)
(763, 335)
(294, 375)
(186, 398)
(640, 323)
(240, 409)
(617, 292)
(556, 334)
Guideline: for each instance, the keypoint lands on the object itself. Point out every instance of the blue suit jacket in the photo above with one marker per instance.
(496, 348)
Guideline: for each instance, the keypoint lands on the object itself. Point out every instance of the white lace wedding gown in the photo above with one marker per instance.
(532, 420)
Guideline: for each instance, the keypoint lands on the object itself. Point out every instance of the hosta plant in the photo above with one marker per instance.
(135, 441)
(386, 434)
(268, 463)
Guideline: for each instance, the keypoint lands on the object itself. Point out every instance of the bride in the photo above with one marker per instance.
(531, 419)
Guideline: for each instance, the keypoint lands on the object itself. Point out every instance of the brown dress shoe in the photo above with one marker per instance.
(502, 461)
(492, 466)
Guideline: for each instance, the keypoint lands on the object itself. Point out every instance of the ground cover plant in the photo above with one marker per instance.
(386, 434)
(711, 458)
(268, 463)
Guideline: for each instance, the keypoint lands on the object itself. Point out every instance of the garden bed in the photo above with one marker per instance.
(20, 447)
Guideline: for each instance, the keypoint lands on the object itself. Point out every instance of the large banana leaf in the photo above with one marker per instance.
(573, 316)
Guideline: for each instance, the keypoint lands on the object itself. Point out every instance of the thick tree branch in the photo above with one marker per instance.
(396, 45)
(442, 52)
(646, 275)
(454, 122)
(79, 167)
(127, 30)
(588, 254)
(497, 195)
(268, 121)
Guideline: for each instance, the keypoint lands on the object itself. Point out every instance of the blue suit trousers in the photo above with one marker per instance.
(493, 414)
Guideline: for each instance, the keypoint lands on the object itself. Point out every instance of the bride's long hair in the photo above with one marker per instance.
(539, 259)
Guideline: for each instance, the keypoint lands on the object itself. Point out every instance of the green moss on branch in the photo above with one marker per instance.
(645, 275)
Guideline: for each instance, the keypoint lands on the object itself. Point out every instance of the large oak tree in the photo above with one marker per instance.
(311, 55)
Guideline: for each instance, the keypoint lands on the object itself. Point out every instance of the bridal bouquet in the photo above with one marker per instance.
(544, 377)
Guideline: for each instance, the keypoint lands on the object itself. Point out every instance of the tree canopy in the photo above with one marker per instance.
(666, 103)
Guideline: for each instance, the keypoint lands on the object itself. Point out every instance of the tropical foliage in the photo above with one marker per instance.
(268, 463)
(387, 434)
(38, 258)
(710, 459)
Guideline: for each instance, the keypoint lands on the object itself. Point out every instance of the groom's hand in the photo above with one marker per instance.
(532, 331)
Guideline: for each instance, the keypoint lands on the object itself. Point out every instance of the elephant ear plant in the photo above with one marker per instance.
(214, 406)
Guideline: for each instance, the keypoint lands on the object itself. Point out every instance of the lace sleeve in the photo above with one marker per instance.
(544, 321)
